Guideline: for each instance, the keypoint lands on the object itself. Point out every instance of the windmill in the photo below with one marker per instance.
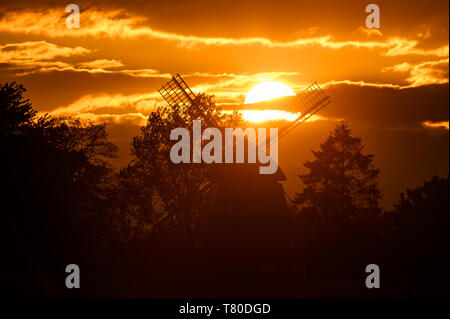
(247, 211)
(311, 100)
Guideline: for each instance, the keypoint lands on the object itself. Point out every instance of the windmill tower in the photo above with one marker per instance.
(247, 223)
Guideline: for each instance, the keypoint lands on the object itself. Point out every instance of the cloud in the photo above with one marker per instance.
(65, 67)
(35, 57)
(117, 23)
(424, 73)
(101, 63)
(145, 102)
(144, 73)
(36, 51)
(361, 84)
(436, 125)
(424, 34)
(368, 32)
(388, 108)
(409, 47)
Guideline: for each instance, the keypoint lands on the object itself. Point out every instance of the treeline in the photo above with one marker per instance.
(62, 203)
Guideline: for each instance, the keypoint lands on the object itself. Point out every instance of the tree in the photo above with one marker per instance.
(338, 210)
(54, 173)
(341, 182)
(419, 224)
(16, 111)
(425, 203)
(166, 198)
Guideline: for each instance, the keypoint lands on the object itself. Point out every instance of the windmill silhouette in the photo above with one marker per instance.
(247, 223)
(311, 100)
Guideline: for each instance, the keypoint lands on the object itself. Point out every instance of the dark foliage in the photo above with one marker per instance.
(55, 173)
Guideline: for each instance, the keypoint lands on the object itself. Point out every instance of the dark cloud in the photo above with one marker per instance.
(387, 107)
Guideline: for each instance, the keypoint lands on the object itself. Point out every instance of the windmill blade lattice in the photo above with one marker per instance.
(180, 97)
(177, 93)
(307, 103)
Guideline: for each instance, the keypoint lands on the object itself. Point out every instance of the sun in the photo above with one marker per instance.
(267, 91)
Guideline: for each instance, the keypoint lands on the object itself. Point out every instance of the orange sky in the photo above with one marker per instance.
(390, 84)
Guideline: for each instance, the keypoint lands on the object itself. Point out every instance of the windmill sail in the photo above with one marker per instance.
(307, 103)
(180, 97)
(177, 93)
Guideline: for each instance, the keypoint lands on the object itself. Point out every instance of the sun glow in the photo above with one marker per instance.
(257, 116)
(268, 91)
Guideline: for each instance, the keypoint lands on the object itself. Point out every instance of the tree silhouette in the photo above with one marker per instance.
(419, 224)
(338, 212)
(341, 182)
(16, 111)
(428, 202)
(166, 198)
(55, 171)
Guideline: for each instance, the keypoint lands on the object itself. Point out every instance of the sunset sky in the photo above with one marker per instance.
(390, 84)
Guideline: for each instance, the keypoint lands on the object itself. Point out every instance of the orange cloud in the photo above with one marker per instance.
(268, 115)
(36, 51)
(368, 32)
(409, 47)
(436, 125)
(362, 84)
(145, 102)
(101, 64)
(425, 33)
(34, 57)
(64, 67)
(118, 23)
(425, 73)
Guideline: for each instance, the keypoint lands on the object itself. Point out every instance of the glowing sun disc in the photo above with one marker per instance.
(268, 91)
